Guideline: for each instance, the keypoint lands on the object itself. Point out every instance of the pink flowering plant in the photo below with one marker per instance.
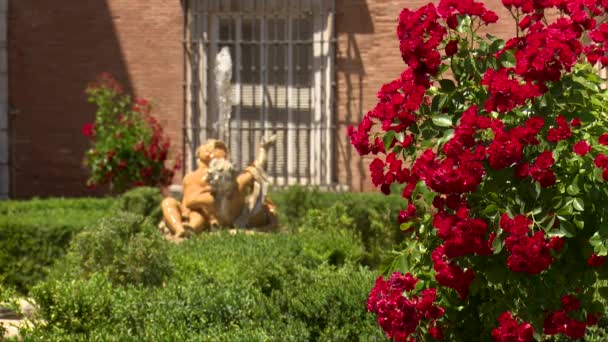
(128, 147)
(500, 152)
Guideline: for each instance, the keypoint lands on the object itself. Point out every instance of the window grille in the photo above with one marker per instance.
(282, 82)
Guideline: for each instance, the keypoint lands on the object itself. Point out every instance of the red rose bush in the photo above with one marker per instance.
(128, 146)
(500, 151)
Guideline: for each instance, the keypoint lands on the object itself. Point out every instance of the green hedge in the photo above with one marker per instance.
(374, 216)
(282, 286)
(35, 233)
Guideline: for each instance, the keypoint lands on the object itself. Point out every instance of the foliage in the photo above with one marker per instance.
(334, 235)
(124, 246)
(374, 216)
(35, 233)
(223, 288)
(503, 162)
(144, 201)
(128, 148)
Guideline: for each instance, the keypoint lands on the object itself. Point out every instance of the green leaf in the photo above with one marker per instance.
(497, 244)
(447, 86)
(442, 120)
(406, 225)
(573, 189)
(596, 240)
(579, 204)
(387, 139)
(490, 210)
(603, 291)
(496, 45)
(443, 68)
(507, 59)
(400, 136)
(464, 23)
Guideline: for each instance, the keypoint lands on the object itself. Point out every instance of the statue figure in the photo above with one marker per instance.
(215, 195)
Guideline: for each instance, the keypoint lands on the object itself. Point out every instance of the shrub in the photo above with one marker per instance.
(122, 245)
(330, 235)
(504, 163)
(33, 234)
(374, 216)
(75, 305)
(128, 145)
(144, 201)
(224, 288)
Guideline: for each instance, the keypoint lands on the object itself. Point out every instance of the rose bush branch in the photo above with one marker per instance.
(501, 151)
(128, 146)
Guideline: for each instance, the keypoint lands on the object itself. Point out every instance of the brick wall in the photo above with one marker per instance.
(54, 51)
(368, 56)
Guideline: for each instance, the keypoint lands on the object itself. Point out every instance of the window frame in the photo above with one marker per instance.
(203, 39)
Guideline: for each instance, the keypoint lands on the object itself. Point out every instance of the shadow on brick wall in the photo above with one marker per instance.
(55, 49)
(352, 18)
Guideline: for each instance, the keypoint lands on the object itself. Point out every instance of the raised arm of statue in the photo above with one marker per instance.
(257, 169)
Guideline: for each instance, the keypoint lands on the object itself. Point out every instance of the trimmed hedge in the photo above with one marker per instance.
(124, 246)
(281, 286)
(374, 216)
(33, 234)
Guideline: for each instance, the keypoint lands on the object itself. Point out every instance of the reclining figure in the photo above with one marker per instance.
(214, 195)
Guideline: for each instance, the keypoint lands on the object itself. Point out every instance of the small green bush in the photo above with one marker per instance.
(76, 305)
(374, 216)
(330, 235)
(143, 201)
(124, 246)
(223, 288)
(35, 233)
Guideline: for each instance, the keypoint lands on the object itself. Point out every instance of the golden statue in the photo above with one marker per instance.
(214, 195)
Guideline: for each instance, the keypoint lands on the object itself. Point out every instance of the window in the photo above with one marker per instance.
(282, 77)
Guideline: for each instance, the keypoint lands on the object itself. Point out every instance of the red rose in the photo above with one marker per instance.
(601, 161)
(451, 47)
(575, 329)
(436, 333)
(452, 21)
(88, 129)
(570, 303)
(545, 160)
(581, 148)
(603, 139)
(489, 17)
(595, 260)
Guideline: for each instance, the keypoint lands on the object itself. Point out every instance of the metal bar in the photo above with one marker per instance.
(289, 139)
(298, 80)
(310, 97)
(259, 42)
(331, 75)
(239, 82)
(317, 60)
(251, 136)
(276, 97)
(306, 128)
(263, 78)
(323, 109)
